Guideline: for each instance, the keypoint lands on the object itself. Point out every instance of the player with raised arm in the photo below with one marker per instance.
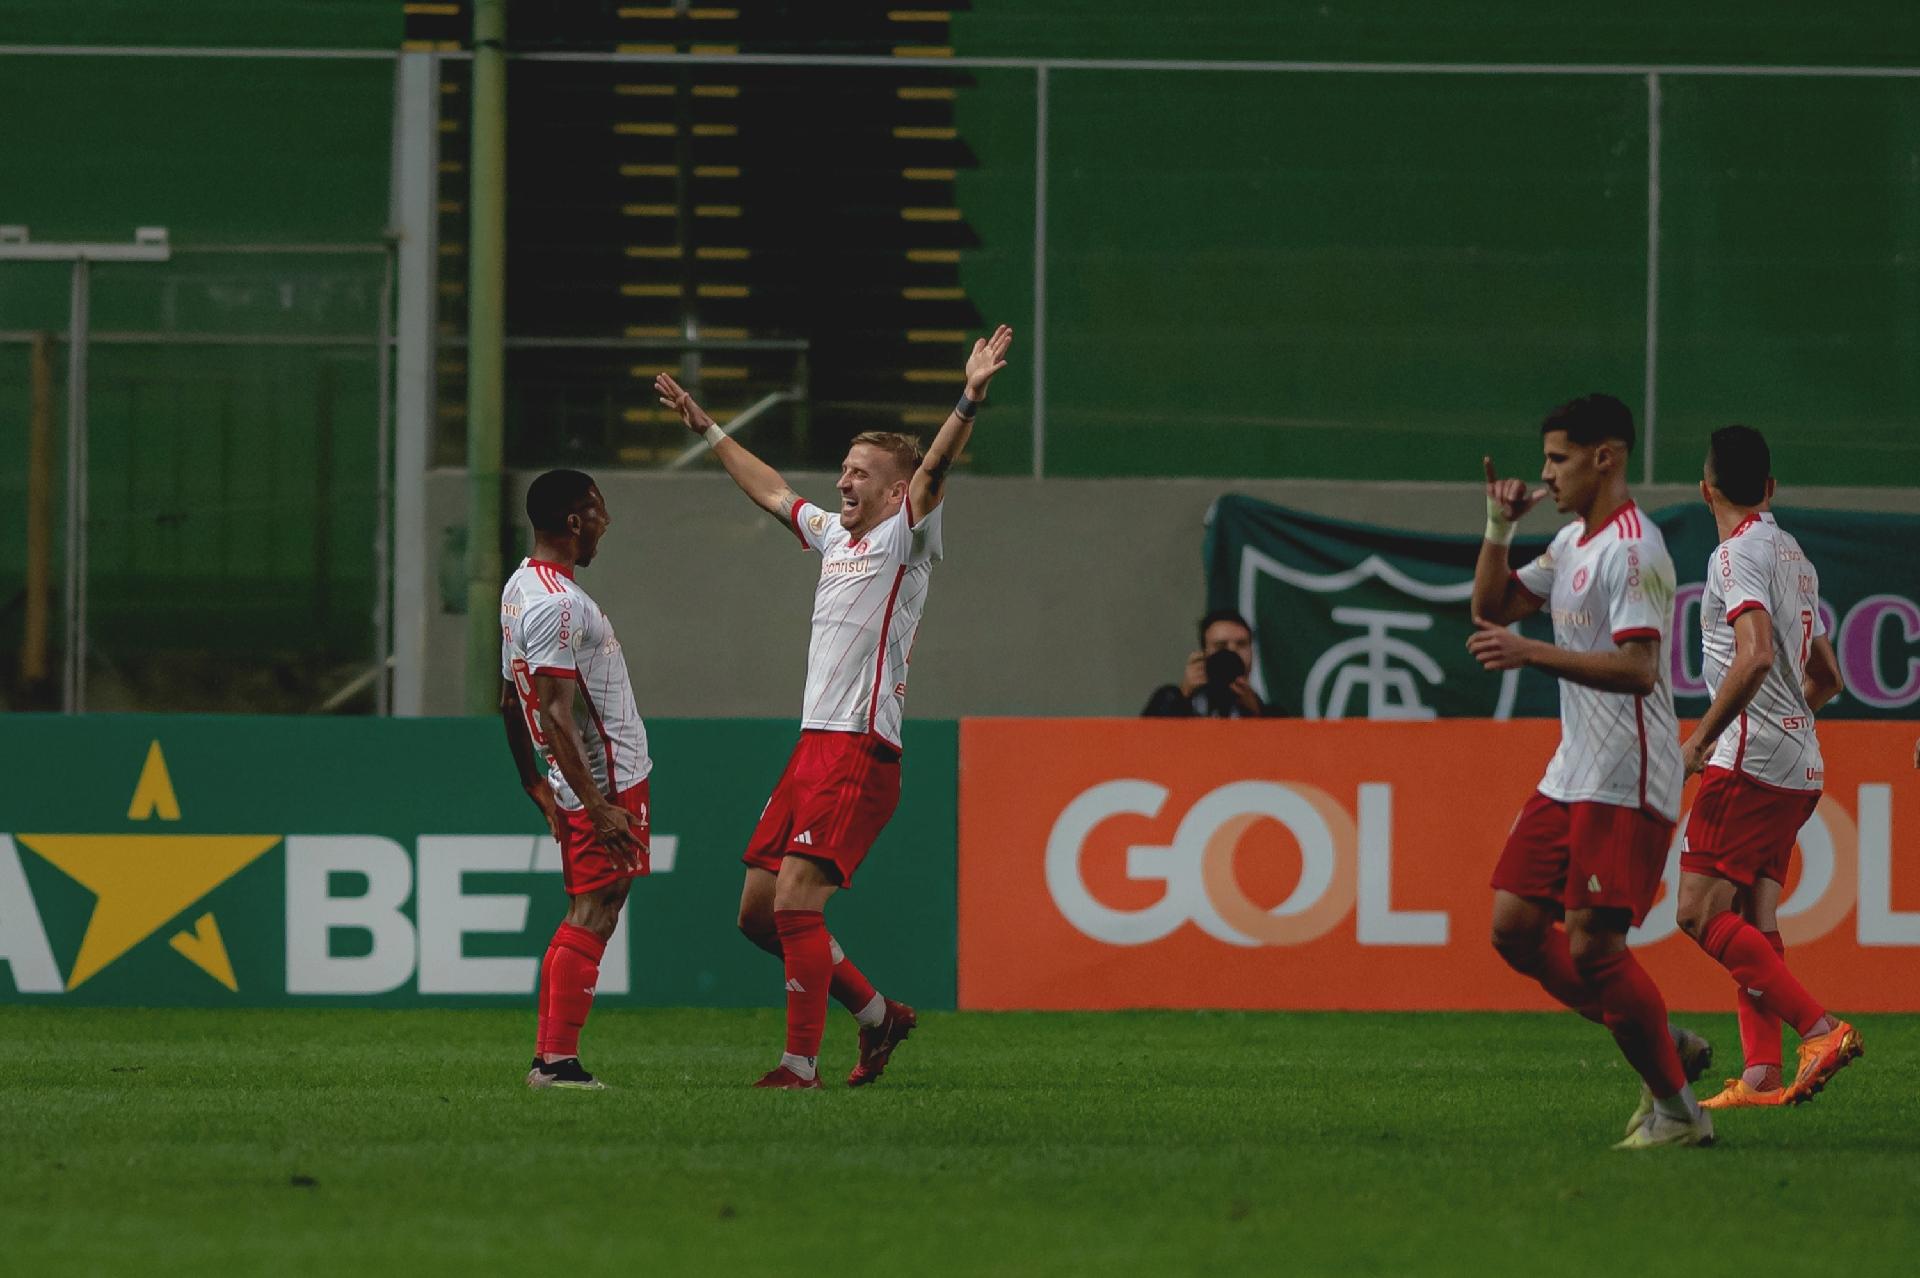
(842, 782)
(566, 694)
(1589, 848)
(1770, 667)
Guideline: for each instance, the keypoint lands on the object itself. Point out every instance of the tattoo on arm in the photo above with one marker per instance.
(936, 470)
(784, 501)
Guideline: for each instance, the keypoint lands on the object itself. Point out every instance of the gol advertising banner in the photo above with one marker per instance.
(1344, 865)
(1358, 622)
(170, 861)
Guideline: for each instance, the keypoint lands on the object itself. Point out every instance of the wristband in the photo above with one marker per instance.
(967, 408)
(1499, 527)
(713, 435)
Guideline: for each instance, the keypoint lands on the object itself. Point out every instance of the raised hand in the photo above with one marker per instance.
(1510, 495)
(680, 401)
(988, 358)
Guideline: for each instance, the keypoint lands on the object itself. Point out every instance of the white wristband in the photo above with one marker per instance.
(1499, 527)
(713, 435)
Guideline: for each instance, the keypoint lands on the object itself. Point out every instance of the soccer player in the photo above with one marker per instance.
(1589, 848)
(567, 695)
(1770, 667)
(842, 783)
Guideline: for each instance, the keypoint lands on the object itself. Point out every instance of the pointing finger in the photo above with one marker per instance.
(1487, 462)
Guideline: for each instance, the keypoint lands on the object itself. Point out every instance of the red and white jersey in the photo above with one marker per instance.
(1604, 590)
(1761, 566)
(549, 626)
(866, 611)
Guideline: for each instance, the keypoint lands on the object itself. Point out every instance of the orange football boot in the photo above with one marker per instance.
(1821, 1057)
(1738, 1095)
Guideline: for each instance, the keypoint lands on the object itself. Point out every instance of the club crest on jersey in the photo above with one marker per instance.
(1580, 580)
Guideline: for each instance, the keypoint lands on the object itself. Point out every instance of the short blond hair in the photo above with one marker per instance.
(904, 449)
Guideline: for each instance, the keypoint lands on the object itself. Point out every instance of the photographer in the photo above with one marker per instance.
(1215, 684)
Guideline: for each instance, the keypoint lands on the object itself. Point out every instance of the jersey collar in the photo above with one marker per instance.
(562, 569)
(1747, 523)
(1611, 520)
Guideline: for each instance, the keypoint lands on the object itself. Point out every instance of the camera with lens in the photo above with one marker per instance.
(1223, 667)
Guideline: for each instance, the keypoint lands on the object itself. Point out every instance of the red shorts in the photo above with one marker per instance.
(584, 863)
(836, 795)
(1742, 830)
(1585, 856)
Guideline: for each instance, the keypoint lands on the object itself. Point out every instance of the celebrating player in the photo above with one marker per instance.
(1770, 666)
(561, 661)
(842, 782)
(1589, 848)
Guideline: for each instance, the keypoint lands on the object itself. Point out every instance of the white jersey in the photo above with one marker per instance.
(548, 626)
(1763, 567)
(866, 611)
(1604, 590)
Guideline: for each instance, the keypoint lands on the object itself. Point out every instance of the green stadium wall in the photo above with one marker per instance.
(1310, 275)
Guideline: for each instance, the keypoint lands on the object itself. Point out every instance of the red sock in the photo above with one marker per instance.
(1759, 1028)
(853, 990)
(567, 977)
(808, 952)
(1552, 966)
(1636, 1016)
(1738, 946)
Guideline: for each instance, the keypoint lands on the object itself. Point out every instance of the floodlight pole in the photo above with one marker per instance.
(149, 245)
(486, 330)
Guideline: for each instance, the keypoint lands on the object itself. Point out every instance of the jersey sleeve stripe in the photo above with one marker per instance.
(1514, 577)
(1636, 632)
(793, 518)
(1745, 607)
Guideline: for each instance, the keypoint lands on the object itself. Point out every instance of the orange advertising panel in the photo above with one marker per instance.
(1296, 864)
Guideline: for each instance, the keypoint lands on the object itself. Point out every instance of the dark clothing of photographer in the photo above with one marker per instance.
(1216, 684)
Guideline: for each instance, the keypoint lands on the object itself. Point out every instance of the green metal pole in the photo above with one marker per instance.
(486, 331)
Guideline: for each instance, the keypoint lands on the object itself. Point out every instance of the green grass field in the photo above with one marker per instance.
(403, 1142)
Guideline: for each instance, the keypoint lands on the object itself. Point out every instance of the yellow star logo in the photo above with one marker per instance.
(140, 881)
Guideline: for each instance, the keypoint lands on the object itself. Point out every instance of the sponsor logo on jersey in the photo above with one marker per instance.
(848, 566)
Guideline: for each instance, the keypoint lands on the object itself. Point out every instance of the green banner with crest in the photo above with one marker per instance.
(1353, 621)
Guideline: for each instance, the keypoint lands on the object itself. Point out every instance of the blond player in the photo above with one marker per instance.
(1589, 848)
(842, 783)
(1770, 666)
